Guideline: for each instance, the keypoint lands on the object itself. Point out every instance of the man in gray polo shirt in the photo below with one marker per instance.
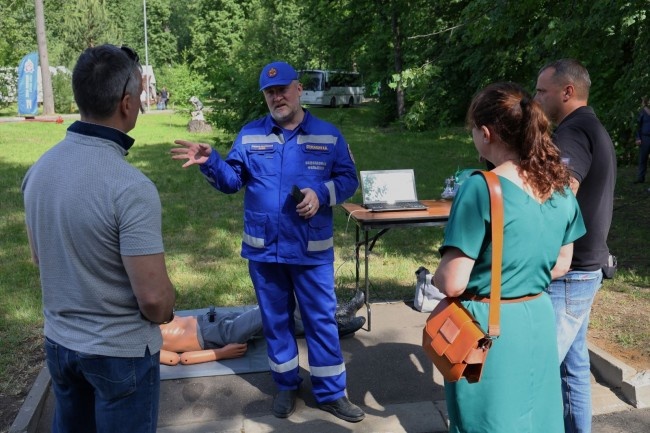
(94, 227)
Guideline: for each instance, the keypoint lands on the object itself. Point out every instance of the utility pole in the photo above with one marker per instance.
(146, 54)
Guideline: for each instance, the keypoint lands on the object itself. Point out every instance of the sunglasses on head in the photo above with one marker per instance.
(130, 52)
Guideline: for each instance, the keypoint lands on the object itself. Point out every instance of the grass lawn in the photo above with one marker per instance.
(202, 231)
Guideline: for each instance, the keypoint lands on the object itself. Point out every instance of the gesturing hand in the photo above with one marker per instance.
(195, 153)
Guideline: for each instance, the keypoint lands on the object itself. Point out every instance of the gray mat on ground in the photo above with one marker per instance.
(255, 360)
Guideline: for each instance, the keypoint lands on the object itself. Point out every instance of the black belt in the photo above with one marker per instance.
(486, 299)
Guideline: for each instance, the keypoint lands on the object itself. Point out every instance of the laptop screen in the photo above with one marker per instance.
(388, 186)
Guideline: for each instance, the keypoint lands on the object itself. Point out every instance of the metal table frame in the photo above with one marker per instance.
(436, 215)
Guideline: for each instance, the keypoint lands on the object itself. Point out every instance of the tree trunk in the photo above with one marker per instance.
(397, 52)
(41, 38)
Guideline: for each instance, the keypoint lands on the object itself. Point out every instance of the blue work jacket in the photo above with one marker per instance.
(268, 161)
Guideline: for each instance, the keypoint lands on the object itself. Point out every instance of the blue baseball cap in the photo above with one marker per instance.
(277, 74)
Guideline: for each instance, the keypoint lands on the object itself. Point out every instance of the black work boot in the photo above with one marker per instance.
(346, 311)
(351, 326)
(344, 409)
(284, 403)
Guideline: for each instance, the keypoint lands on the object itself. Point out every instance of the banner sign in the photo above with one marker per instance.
(28, 85)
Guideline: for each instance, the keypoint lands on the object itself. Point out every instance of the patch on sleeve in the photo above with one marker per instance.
(350, 153)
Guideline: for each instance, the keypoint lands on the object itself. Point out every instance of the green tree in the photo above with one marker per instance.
(161, 42)
(183, 83)
(183, 15)
(18, 37)
(232, 42)
(87, 23)
(128, 17)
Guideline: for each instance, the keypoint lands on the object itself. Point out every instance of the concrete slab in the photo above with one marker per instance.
(606, 400)
(384, 367)
(636, 389)
(399, 418)
(629, 385)
(30, 412)
(388, 376)
(609, 368)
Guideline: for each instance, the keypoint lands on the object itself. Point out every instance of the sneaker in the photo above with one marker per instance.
(284, 403)
(352, 326)
(344, 409)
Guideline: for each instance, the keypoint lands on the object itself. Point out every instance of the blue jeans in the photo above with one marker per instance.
(103, 394)
(572, 297)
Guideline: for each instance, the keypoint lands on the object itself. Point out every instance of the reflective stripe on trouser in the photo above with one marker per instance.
(314, 288)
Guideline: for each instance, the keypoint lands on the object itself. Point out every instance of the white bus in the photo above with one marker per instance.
(331, 88)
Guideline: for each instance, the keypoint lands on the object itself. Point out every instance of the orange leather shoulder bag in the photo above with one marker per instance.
(452, 338)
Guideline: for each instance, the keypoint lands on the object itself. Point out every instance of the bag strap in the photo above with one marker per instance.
(496, 218)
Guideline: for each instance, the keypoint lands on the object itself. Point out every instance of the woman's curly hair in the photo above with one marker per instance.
(509, 111)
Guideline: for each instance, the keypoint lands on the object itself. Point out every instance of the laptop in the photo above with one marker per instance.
(389, 190)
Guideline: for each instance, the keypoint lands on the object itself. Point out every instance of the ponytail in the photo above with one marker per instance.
(543, 167)
(520, 123)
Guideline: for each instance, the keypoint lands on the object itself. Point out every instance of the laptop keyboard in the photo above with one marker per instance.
(403, 205)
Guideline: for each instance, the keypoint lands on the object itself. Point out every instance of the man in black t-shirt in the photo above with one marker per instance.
(588, 151)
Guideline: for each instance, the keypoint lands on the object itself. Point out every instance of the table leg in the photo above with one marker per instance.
(356, 256)
(357, 246)
(368, 244)
(367, 280)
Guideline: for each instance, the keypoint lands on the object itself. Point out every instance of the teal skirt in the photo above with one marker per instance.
(520, 389)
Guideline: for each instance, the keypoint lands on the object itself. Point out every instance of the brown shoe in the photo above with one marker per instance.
(344, 409)
(284, 403)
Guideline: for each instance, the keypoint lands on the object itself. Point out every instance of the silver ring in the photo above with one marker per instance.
(309, 206)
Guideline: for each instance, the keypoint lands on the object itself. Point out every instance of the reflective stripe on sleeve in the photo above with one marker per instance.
(332, 191)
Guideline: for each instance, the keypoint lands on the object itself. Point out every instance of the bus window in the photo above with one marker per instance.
(331, 88)
(311, 81)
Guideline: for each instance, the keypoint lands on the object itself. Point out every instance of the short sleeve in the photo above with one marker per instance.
(139, 215)
(575, 226)
(574, 148)
(469, 218)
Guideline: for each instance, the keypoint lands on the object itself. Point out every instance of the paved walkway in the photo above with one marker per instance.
(55, 117)
(388, 375)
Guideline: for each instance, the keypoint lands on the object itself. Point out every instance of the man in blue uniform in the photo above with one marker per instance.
(295, 168)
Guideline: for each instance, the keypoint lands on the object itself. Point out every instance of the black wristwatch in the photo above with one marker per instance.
(170, 318)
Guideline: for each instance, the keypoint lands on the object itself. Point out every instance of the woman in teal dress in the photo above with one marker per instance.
(519, 391)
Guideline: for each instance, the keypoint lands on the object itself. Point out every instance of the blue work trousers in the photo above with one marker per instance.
(313, 285)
